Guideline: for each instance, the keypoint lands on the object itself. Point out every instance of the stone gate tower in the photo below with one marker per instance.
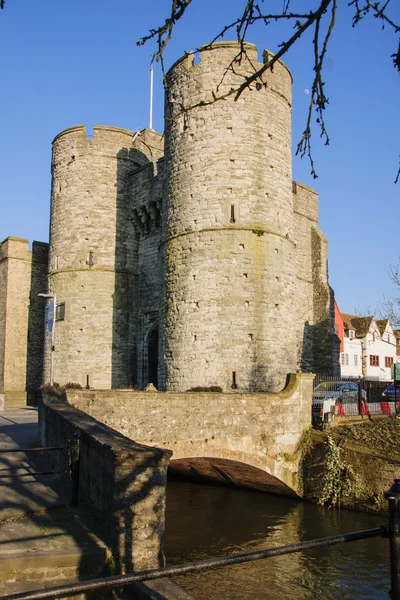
(92, 261)
(228, 248)
(193, 261)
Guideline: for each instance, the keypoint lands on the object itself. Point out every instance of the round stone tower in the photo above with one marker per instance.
(92, 262)
(228, 317)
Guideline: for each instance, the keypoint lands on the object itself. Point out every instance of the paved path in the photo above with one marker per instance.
(29, 493)
(43, 542)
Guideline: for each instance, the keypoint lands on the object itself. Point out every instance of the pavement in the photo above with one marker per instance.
(43, 541)
(21, 491)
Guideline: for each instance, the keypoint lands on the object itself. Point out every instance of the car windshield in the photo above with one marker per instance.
(390, 388)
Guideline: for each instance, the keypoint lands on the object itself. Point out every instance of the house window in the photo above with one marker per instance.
(351, 334)
(388, 361)
(60, 311)
(374, 360)
(355, 360)
(344, 359)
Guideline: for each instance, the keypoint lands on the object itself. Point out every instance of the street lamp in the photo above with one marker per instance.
(53, 326)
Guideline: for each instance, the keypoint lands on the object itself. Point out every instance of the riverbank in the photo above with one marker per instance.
(351, 465)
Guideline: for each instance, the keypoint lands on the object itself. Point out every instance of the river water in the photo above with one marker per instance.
(204, 521)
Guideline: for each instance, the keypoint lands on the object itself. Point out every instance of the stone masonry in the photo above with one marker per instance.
(192, 260)
(23, 274)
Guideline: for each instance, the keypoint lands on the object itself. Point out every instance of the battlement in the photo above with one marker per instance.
(208, 51)
(40, 252)
(18, 248)
(218, 68)
(150, 143)
(98, 131)
(15, 247)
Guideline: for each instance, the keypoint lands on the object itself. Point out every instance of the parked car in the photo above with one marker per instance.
(389, 393)
(329, 394)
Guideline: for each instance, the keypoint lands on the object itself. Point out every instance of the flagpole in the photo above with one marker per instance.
(151, 93)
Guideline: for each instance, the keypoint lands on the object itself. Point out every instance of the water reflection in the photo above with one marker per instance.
(205, 520)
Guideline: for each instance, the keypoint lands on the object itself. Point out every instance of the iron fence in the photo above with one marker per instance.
(349, 397)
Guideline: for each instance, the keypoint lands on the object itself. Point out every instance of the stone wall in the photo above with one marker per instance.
(317, 345)
(35, 346)
(121, 481)
(22, 277)
(375, 470)
(254, 429)
(3, 318)
(326, 342)
(305, 208)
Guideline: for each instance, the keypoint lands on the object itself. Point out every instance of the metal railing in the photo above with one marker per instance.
(390, 531)
(349, 397)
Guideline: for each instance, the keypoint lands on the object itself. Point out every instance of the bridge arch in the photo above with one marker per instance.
(261, 429)
(229, 472)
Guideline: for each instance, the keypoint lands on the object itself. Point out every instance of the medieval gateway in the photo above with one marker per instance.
(185, 260)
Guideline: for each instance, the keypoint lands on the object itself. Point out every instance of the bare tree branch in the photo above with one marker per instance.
(253, 13)
(389, 308)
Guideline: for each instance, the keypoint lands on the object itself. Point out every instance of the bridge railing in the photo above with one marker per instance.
(390, 531)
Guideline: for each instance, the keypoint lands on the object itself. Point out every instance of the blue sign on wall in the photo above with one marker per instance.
(49, 317)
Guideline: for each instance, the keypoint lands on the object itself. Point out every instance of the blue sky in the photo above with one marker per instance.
(69, 62)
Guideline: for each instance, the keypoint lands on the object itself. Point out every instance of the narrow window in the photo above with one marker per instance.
(60, 311)
(234, 384)
(233, 219)
(355, 360)
(90, 262)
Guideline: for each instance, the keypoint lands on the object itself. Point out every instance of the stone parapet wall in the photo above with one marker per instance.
(255, 429)
(121, 481)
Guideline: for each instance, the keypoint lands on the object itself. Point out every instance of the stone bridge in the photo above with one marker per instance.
(246, 439)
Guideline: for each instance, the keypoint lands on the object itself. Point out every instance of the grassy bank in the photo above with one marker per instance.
(351, 465)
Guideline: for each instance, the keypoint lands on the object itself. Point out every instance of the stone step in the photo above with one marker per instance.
(51, 547)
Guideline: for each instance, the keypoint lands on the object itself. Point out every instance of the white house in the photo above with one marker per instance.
(369, 348)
